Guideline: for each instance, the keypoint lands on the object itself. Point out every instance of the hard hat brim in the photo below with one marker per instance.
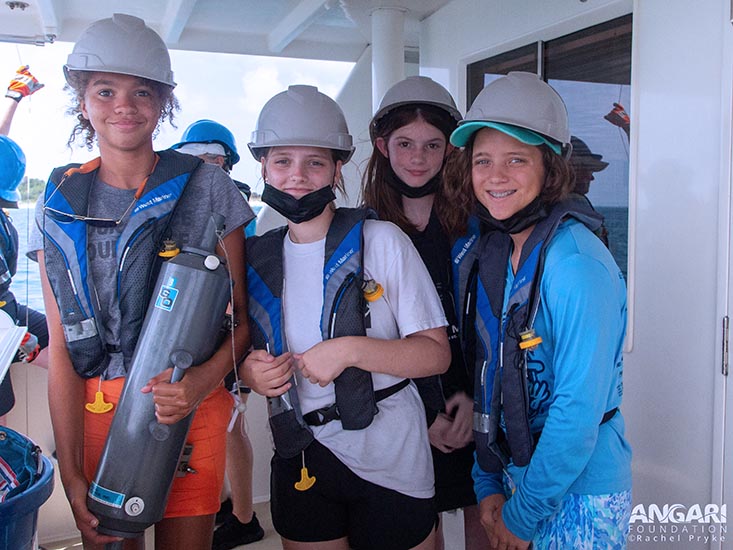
(258, 150)
(461, 135)
(69, 71)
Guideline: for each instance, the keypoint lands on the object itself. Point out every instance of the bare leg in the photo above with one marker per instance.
(191, 533)
(439, 539)
(476, 537)
(239, 469)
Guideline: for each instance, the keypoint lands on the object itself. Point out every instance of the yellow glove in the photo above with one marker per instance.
(23, 84)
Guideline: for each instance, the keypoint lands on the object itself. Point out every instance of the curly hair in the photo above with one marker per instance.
(458, 184)
(387, 201)
(79, 82)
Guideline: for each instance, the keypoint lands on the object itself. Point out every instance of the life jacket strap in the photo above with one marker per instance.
(324, 415)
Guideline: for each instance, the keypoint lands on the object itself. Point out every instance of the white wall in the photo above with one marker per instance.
(355, 98)
(672, 370)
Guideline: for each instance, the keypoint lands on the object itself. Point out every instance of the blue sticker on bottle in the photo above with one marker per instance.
(105, 496)
(167, 296)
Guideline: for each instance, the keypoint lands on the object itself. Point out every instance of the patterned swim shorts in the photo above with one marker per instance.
(586, 522)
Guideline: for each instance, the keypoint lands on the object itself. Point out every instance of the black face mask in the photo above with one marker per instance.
(298, 210)
(517, 222)
(431, 186)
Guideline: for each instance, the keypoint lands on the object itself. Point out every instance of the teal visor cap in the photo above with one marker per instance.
(463, 133)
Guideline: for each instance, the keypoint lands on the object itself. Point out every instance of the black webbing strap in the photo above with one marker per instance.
(608, 415)
(324, 415)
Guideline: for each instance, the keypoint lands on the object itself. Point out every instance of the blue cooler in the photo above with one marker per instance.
(26, 482)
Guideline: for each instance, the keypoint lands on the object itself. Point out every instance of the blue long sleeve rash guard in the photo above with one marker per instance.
(574, 377)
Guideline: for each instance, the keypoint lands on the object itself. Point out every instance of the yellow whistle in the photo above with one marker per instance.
(306, 481)
(170, 250)
(373, 291)
(99, 406)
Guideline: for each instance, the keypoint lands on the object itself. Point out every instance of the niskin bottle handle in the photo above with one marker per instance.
(181, 360)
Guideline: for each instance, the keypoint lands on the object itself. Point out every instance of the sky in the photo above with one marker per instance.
(230, 89)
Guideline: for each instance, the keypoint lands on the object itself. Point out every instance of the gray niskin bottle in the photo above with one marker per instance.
(182, 327)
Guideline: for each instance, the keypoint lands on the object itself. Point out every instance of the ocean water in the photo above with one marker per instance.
(26, 284)
(617, 223)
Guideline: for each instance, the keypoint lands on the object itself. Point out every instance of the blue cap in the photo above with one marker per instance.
(12, 169)
(463, 133)
(208, 131)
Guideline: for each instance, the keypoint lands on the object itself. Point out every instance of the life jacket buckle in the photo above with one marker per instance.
(481, 422)
(529, 340)
(183, 465)
(86, 328)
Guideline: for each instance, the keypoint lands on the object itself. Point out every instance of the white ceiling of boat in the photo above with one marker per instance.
(337, 30)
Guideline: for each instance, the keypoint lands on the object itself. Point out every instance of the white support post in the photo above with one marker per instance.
(388, 50)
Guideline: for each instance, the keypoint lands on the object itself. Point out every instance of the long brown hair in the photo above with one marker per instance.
(80, 80)
(377, 194)
(458, 184)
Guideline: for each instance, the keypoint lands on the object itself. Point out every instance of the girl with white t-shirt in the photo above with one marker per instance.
(343, 313)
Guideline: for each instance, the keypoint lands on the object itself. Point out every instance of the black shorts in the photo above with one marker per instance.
(453, 481)
(341, 504)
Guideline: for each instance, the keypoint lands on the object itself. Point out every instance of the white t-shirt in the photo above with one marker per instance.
(393, 451)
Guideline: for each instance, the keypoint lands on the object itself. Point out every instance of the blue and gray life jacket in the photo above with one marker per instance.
(67, 263)
(343, 314)
(464, 257)
(8, 256)
(499, 349)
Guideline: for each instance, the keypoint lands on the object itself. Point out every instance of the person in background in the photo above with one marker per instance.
(553, 467)
(404, 185)
(214, 144)
(343, 314)
(585, 164)
(12, 169)
(100, 228)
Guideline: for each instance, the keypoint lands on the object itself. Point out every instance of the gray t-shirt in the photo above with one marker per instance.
(215, 191)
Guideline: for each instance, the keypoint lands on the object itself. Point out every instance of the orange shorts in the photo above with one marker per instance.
(193, 494)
